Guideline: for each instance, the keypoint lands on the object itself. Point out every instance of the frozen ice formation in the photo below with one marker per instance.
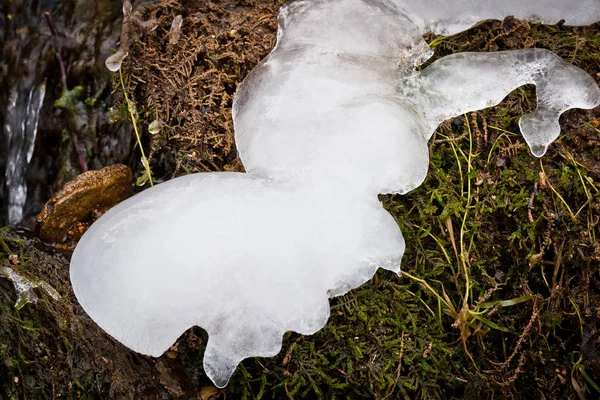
(24, 287)
(334, 115)
(243, 256)
(449, 17)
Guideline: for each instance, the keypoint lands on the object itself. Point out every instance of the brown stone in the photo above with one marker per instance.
(80, 198)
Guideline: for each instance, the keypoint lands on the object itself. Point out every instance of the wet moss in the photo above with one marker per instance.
(500, 298)
(500, 293)
(50, 348)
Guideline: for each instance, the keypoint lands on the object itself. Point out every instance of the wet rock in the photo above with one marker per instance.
(50, 348)
(209, 393)
(90, 193)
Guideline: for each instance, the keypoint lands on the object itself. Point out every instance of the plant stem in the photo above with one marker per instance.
(137, 134)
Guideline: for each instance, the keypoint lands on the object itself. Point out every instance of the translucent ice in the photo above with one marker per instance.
(334, 115)
(457, 15)
(24, 287)
(248, 259)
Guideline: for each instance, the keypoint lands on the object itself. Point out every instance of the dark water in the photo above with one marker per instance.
(43, 146)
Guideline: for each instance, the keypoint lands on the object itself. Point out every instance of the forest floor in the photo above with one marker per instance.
(500, 292)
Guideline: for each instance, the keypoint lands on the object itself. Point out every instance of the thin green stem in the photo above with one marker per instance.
(137, 133)
(557, 194)
(464, 221)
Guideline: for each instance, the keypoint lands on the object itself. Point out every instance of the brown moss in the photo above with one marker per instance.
(188, 84)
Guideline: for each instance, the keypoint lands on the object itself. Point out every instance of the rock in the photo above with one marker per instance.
(50, 348)
(209, 393)
(79, 199)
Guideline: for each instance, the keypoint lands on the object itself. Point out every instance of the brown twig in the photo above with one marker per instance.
(82, 163)
(57, 49)
(63, 84)
(114, 62)
(399, 368)
(524, 335)
(530, 204)
(288, 355)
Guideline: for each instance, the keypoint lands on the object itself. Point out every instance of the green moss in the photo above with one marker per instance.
(70, 100)
(396, 338)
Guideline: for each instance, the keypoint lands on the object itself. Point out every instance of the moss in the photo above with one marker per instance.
(501, 289)
(51, 349)
(403, 338)
(70, 100)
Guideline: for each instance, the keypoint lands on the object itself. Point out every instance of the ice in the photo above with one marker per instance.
(367, 108)
(454, 16)
(24, 288)
(249, 259)
(336, 114)
(456, 83)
